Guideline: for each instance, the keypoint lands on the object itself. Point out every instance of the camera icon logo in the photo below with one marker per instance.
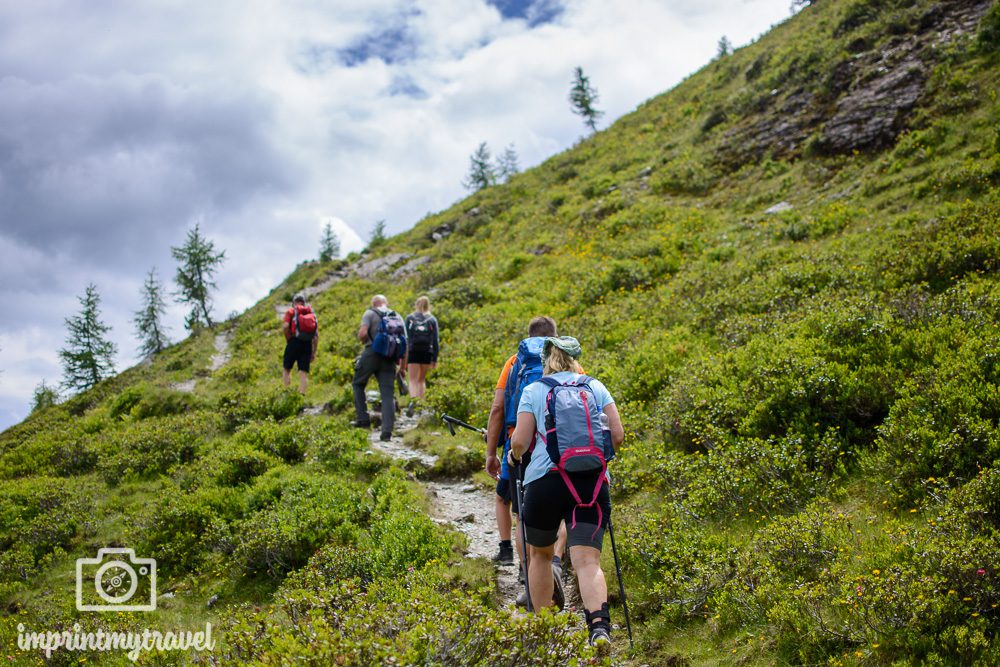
(115, 575)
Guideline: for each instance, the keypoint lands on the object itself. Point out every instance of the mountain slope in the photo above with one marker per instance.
(785, 271)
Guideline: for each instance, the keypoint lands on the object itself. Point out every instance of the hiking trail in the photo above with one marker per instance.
(462, 504)
(217, 361)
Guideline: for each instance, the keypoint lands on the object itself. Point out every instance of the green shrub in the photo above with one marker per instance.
(683, 175)
(290, 440)
(309, 512)
(152, 446)
(239, 407)
(237, 463)
(943, 427)
(180, 528)
(988, 37)
(38, 515)
(403, 620)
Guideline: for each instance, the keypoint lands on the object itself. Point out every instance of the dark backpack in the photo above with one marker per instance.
(421, 338)
(304, 324)
(390, 340)
(526, 369)
(576, 439)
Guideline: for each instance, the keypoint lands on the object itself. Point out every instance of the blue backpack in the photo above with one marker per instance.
(576, 437)
(526, 369)
(390, 340)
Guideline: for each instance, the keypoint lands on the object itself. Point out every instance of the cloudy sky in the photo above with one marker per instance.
(123, 123)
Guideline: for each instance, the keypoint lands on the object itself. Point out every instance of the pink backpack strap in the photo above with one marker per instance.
(601, 478)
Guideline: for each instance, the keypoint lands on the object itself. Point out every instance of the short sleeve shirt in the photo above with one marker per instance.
(502, 380)
(533, 401)
(372, 319)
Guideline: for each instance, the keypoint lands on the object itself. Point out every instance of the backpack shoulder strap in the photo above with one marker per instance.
(549, 381)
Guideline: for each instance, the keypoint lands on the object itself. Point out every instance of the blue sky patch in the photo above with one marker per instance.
(393, 45)
(405, 86)
(535, 12)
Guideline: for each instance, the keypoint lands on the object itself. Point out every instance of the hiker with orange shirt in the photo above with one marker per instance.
(520, 370)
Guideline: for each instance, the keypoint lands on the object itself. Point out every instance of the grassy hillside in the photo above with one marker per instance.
(786, 272)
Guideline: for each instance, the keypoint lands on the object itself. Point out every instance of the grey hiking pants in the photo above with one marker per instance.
(384, 370)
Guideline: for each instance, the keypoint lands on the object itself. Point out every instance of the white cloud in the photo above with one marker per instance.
(240, 115)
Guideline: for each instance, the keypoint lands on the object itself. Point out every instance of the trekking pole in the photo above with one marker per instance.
(621, 584)
(452, 423)
(524, 532)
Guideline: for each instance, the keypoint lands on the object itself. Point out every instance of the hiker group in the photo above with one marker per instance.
(550, 434)
(392, 348)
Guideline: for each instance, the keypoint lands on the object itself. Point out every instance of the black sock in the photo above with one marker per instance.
(505, 544)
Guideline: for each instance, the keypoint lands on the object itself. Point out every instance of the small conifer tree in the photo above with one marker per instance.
(329, 244)
(584, 97)
(88, 356)
(507, 164)
(481, 173)
(378, 234)
(724, 48)
(44, 397)
(198, 264)
(149, 326)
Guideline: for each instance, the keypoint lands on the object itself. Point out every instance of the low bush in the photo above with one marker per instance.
(153, 446)
(240, 407)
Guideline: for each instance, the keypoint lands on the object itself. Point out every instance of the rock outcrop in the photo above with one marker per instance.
(865, 100)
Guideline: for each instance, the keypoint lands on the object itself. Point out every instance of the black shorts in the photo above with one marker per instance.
(298, 351)
(507, 490)
(419, 357)
(548, 501)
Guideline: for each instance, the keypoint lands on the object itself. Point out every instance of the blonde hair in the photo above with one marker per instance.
(423, 304)
(557, 361)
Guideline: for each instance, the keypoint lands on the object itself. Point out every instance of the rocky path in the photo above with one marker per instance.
(460, 503)
(221, 356)
(218, 360)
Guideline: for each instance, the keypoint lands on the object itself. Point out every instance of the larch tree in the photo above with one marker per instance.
(481, 172)
(507, 164)
(43, 397)
(583, 97)
(329, 244)
(198, 264)
(149, 320)
(88, 356)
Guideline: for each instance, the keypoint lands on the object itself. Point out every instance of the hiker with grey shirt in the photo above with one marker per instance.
(383, 367)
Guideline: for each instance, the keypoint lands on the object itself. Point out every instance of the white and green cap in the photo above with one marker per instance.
(567, 344)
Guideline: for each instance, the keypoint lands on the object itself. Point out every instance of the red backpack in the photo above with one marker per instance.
(304, 324)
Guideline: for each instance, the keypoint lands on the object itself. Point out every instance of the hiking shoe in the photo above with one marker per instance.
(385, 437)
(558, 595)
(600, 639)
(360, 424)
(505, 556)
(522, 599)
(411, 408)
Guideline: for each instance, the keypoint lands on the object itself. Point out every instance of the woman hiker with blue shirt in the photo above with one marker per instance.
(548, 501)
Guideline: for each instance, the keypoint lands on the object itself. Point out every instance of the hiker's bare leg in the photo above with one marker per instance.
(593, 587)
(418, 380)
(411, 371)
(503, 517)
(303, 381)
(540, 575)
(286, 376)
(561, 537)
